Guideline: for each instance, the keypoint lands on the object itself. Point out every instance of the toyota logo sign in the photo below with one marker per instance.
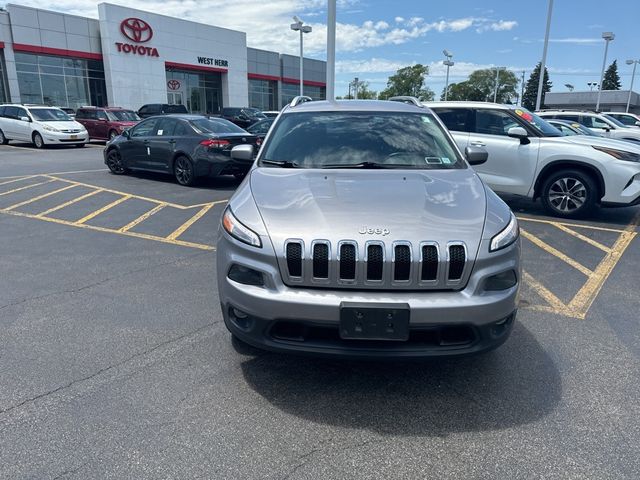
(173, 84)
(136, 30)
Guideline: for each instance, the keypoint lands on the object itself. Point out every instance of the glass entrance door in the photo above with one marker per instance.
(174, 98)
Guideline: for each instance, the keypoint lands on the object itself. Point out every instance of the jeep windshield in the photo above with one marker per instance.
(360, 140)
(50, 115)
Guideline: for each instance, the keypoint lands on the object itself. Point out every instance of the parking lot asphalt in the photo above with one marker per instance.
(115, 363)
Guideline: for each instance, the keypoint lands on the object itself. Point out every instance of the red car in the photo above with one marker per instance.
(106, 123)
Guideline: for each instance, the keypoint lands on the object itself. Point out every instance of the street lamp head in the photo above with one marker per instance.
(306, 29)
(569, 86)
(630, 62)
(296, 19)
(296, 27)
(447, 53)
(448, 63)
(608, 36)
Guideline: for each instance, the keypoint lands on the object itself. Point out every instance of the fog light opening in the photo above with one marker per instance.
(501, 281)
(241, 319)
(246, 275)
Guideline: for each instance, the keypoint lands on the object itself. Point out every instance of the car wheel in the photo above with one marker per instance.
(37, 140)
(569, 194)
(183, 171)
(3, 139)
(112, 134)
(114, 162)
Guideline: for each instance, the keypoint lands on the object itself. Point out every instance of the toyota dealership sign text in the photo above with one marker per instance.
(138, 31)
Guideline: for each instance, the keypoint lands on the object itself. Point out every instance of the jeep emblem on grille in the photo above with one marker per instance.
(373, 231)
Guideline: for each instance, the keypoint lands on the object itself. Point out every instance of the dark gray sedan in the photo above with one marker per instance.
(186, 146)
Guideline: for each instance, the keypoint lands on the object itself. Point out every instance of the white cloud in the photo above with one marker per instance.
(372, 65)
(499, 26)
(399, 19)
(575, 41)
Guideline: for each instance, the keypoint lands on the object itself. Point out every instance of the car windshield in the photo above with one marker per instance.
(253, 112)
(360, 140)
(584, 130)
(615, 121)
(50, 115)
(215, 125)
(122, 116)
(541, 126)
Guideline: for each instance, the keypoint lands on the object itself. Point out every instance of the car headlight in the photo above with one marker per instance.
(238, 231)
(507, 236)
(49, 129)
(620, 154)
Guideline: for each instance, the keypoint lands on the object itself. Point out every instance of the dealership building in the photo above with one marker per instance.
(129, 57)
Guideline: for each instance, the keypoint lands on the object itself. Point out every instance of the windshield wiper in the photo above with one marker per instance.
(369, 165)
(280, 163)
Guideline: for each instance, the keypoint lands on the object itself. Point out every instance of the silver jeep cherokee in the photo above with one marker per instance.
(361, 231)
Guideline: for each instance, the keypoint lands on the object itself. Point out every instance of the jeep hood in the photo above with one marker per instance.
(334, 205)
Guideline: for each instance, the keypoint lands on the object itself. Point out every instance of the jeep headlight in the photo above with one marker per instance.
(239, 231)
(620, 154)
(49, 129)
(507, 236)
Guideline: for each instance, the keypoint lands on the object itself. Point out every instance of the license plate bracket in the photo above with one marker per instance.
(366, 321)
(73, 137)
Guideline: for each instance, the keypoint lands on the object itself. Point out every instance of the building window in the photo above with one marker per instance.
(60, 81)
(200, 92)
(292, 90)
(4, 91)
(262, 94)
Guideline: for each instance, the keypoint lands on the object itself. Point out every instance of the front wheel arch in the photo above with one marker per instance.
(556, 166)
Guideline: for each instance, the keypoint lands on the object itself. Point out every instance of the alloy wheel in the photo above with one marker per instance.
(567, 194)
(37, 140)
(114, 162)
(184, 171)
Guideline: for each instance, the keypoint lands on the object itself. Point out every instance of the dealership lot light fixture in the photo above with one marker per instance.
(299, 26)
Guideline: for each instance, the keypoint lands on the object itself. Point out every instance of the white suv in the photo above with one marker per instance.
(40, 125)
(605, 125)
(529, 157)
(628, 119)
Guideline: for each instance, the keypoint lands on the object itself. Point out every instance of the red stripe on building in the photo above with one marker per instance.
(1, 44)
(186, 66)
(259, 76)
(306, 82)
(61, 52)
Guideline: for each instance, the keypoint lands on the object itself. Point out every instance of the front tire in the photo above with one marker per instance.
(114, 163)
(38, 141)
(3, 140)
(183, 171)
(569, 194)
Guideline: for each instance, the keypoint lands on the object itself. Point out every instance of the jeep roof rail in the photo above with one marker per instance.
(406, 99)
(300, 99)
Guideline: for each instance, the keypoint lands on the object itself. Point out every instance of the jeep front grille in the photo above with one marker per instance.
(374, 264)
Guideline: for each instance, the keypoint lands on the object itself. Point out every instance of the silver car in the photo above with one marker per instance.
(361, 231)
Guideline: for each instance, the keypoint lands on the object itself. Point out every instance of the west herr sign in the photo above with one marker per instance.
(137, 31)
(213, 61)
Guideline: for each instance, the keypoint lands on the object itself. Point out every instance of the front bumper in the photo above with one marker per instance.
(306, 320)
(55, 138)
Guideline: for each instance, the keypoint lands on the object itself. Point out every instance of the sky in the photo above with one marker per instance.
(376, 37)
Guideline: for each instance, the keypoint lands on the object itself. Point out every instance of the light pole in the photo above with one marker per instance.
(608, 36)
(569, 86)
(633, 75)
(449, 64)
(495, 91)
(356, 84)
(591, 85)
(300, 27)
(331, 50)
(543, 63)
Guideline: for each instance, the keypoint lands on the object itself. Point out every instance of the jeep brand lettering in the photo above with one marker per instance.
(213, 61)
(374, 231)
(137, 49)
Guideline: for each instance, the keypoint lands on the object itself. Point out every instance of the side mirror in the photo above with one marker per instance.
(242, 152)
(126, 133)
(476, 155)
(25, 119)
(519, 133)
(637, 124)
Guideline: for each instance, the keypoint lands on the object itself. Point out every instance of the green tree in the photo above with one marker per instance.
(363, 93)
(481, 84)
(531, 89)
(611, 79)
(408, 81)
